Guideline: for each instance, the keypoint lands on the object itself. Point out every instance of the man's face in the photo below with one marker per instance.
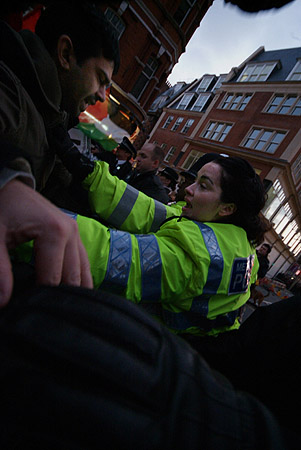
(144, 159)
(86, 84)
(263, 250)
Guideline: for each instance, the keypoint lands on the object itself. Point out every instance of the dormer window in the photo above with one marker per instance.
(295, 74)
(201, 102)
(185, 100)
(257, 72)
(204, 83)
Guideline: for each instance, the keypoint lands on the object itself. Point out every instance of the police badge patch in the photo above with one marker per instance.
(240, 275)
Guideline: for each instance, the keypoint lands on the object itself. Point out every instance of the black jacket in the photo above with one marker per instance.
(264, 265)
(150, 184)
(123, 171)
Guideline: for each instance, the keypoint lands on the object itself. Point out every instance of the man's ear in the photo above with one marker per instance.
(156, 163)
(226, 209)
(65, 52)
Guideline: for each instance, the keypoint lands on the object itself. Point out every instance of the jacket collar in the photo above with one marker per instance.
(24, 53)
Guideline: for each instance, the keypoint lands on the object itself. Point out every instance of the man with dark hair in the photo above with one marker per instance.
(262, 255)
(145, 179)
(83, 46)
(47, 79)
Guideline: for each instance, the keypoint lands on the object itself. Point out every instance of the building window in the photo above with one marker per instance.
(217, 131)
(264, 140)
(285, 104)
(279, 212)
(144, 78)
(257, 72)
(296, 170)
(201, 102)
(187, 125)
(158, 103)
(204, 83)
(185, 100)
(170, 153)
(163, 146)
(236, 101)
(115, 20)
(183, 10)
(168, 121)
(193, 156)
(219, 82)
(295, 74)
(177, 123)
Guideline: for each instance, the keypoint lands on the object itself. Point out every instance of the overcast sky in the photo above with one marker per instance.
(227, 36)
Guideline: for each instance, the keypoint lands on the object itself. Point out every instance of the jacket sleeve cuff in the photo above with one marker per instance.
(7, 175)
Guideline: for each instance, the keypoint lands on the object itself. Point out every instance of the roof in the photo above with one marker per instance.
(287, 58)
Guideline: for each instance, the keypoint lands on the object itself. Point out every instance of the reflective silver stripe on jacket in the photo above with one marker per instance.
(125, 206)
(120, 258)
(159, 216)
(200, 304)
(197, 315)
(151, 267)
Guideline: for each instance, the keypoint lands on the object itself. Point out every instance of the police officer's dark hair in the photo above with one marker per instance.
(242, 186)
(91, 33)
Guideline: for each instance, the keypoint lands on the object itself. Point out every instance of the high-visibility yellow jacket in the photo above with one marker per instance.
(193, 276)
(123, 207)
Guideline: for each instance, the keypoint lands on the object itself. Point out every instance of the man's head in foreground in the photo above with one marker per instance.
(85, 50)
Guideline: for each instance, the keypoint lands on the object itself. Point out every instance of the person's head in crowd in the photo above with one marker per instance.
(264, 249)
(125, 150)
(169, 177)
(85, 49)
(228, 190)
(149, 158)
(187, 178)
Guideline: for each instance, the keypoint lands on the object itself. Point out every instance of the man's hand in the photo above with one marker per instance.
(60, 256)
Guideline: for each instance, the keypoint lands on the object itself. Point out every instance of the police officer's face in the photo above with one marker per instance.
(122, 154)
(203, 197)
(85, 84)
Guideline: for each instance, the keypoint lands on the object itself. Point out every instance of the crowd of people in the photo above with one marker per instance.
(131, 337)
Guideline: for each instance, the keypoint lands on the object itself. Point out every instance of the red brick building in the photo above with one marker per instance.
(256, 114)
(153, 35)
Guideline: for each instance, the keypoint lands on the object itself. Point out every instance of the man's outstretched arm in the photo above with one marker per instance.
(59, 253)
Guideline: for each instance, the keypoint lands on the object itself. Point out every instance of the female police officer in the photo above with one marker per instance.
(193, 273)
